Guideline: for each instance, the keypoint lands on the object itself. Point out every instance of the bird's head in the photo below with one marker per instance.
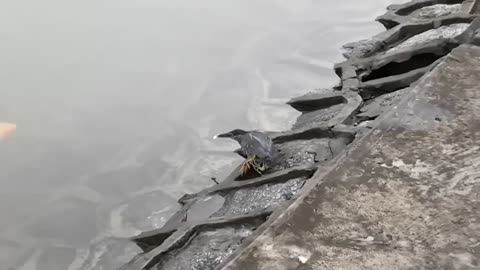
(231, 134)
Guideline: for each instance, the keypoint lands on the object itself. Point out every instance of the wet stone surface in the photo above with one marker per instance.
(205, 207)
(436, 11)
(380, 104)
(316, 118)
(297, 159)
(207, 249)
(443, 32)
(256, 199)
(301, 152)
(362, 48)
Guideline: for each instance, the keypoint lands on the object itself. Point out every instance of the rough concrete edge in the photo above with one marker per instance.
(321, 100)
(391, 83)
(369, 64)
(401, 32)
(475, 7)
(278, 177)
(391, 18)
(179, 236)
(146, 259)
(351, 100)
(438, 47)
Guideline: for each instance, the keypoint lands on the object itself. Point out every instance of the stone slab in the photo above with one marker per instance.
(404, 197)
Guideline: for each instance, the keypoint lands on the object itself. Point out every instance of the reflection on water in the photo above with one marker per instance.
(116, 103)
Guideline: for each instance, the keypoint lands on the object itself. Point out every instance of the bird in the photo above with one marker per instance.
(256, 147)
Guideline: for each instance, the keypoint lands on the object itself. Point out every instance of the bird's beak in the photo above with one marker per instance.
(224, 135)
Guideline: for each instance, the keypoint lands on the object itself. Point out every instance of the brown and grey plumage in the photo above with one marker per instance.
(256, 147)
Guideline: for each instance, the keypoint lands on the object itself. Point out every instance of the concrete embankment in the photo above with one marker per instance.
(406, 197)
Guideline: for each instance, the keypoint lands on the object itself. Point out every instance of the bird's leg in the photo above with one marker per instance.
(258, 170)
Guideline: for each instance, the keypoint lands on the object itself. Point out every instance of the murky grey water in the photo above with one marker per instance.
(116, 103)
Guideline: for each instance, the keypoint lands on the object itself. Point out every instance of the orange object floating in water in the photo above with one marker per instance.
(6, 129)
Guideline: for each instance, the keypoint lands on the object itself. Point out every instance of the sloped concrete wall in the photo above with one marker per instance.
(407, 197)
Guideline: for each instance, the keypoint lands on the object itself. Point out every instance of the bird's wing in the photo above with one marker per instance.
(258, 144)
(263, 140)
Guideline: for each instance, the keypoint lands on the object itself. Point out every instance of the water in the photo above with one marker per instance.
(116, 102)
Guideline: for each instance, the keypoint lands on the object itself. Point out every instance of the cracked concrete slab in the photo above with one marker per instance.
(435, 11)
(380, 105)
(327, 110)
(381, 207)
(442, 32)
(421, 10)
